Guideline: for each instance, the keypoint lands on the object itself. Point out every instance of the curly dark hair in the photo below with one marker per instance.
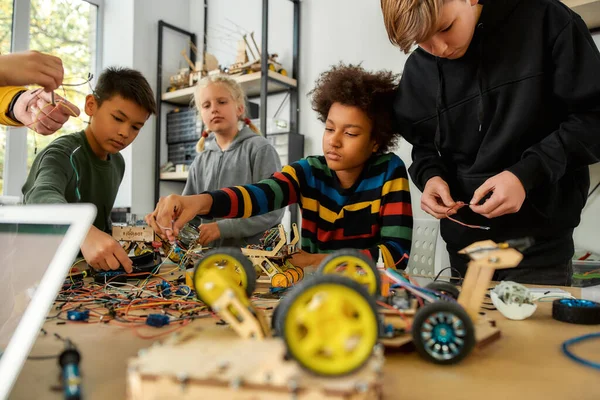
(372, 92)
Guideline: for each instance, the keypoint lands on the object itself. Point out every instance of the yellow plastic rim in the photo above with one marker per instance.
(353, 268)
(211, 284)
(330, 329)
(228, 265)
(280, 280)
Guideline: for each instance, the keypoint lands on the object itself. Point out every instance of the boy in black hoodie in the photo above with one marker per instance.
(501, 102)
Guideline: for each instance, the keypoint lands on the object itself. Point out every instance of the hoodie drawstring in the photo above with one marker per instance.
(480, 108)
(438, 106)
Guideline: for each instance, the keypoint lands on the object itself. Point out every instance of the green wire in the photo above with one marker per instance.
(76, 175)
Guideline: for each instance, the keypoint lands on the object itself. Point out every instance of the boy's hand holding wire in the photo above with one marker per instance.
(173, 212)
(34, 109)
(507, 196)
(436, 198)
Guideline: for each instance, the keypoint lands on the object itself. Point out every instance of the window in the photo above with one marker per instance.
(6, 17)
(69, 29)
(66, 29)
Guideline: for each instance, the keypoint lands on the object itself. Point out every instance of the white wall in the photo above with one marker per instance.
(118, 29)
(131, 40)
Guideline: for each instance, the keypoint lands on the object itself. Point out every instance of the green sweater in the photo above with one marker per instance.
(52, 179)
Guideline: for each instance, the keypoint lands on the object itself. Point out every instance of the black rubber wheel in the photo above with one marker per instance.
(443, 332)
(446, 288)
(576, 311)
(370, 277)
(346, 313)
(242, 265)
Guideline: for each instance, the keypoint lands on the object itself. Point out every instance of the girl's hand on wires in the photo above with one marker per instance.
(34, 110)
(31, 67)
(304, 259)
(209, 233)
(102, 252)
(436, 198)
(174, 211)
(507, 196)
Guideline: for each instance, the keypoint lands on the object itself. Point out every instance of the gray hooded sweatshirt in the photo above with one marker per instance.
(249, 159)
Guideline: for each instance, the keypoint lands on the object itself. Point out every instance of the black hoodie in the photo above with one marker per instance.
(525, 98)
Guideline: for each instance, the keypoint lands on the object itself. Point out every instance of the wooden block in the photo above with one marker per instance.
(133, 233)
(216, 364)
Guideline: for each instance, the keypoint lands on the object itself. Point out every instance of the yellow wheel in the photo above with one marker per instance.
(230, 264)
(329, 324)
(292, 275)
(354, 265)
(271, 67)
(280, 280)
(300, 272)
(283, 72)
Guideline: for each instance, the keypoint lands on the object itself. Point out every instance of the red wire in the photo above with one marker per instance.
(458, 206)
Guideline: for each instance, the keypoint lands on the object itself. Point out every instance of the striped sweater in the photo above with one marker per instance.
(374, 214)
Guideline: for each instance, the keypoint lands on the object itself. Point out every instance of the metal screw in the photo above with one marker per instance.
(183, 379)
(362, 387)
(223, 365)
(494, 259)
(236, 382)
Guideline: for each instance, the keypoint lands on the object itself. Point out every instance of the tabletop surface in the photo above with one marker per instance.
(526, 363)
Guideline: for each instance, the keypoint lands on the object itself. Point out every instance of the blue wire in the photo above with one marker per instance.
(583, 361)
(76, 174)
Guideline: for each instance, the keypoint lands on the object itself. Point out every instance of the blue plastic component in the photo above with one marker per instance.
(578, 303)
(388, 330)
(164, 288)
(183, 290)
(74, 315)
(157, 320)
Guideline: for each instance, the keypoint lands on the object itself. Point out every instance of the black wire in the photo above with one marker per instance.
(38, 358)
(452, 269)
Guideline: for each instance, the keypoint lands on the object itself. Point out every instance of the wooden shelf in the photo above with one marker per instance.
(174, 176)
(588, 9)
(249, 82)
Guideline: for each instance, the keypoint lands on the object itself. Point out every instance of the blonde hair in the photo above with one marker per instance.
(410, 21)
(237, 93)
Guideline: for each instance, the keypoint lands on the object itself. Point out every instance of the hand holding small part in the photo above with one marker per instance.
(174, 211)
(507, 196)
(436, 198)
(33, 109)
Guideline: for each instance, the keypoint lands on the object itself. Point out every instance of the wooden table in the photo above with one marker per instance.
(526, 363)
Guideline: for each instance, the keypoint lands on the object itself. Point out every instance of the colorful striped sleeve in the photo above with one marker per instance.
(396, 217)
(278, 191)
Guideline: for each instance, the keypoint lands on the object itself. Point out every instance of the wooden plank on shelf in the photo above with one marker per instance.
(589, 10)
(249, 82)
(174, 176)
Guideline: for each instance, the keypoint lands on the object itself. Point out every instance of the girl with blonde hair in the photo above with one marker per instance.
(231, 152)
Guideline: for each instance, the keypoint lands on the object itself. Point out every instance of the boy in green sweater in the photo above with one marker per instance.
(87, 167)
